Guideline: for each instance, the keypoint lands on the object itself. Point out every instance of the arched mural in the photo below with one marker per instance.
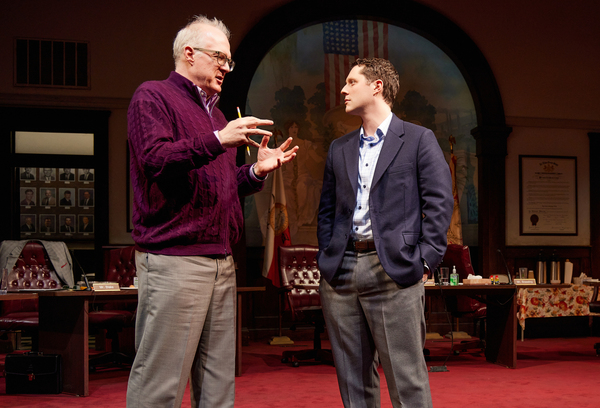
(297, 85)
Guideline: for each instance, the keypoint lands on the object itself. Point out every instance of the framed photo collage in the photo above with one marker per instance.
(56, 203)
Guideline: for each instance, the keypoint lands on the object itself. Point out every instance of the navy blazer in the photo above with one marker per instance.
(410, 202)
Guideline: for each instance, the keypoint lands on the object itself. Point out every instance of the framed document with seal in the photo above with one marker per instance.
(548, 195)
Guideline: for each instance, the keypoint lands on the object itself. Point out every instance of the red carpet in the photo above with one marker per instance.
(549, 373)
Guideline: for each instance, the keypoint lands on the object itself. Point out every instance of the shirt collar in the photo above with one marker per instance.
(209, 103)
(379, 134)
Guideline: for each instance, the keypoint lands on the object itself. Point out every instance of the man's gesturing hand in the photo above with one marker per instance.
(271, 159)
(238, 131)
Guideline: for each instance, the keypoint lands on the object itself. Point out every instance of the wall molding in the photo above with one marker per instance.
(15, 100)
(554, 123)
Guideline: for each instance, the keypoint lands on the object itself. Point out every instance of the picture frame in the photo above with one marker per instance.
(548, 195)
(42, 198)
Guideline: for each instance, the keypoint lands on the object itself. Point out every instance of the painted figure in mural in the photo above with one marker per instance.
(339, 122)
(186, 216)
(309, 166)
(385, 209)
(302, 180)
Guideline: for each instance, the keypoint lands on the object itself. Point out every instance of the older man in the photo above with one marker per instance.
(48, 198)
(186, 215)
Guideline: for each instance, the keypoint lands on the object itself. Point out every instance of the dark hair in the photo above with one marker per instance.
(288, 124)
(379, 68)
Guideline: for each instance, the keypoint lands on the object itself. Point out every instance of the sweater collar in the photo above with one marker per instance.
(193, 91)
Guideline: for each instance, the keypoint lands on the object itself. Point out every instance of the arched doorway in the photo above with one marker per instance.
(490, 132)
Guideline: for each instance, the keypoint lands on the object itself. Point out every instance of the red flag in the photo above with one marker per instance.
(343, 42)
(278, 231)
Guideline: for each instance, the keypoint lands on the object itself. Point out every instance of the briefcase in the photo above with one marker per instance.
(33, 373)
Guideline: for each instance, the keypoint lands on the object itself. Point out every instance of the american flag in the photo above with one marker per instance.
(343, 42)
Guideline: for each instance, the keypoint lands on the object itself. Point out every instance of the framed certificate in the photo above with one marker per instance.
(548, 195)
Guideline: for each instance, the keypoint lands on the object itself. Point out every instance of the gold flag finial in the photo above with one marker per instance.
(452, 140)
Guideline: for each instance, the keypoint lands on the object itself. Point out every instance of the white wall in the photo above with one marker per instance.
(548, 141)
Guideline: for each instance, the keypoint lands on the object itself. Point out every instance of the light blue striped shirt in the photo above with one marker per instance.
(370, 147)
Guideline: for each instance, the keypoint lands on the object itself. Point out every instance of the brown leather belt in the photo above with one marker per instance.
(360, 245)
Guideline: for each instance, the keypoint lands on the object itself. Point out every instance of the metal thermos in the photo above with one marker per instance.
(540, 270)
(554, 269)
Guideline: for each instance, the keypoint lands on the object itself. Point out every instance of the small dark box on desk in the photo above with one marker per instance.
(33, 373)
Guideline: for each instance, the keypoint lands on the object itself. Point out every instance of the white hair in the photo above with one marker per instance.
(192, 36)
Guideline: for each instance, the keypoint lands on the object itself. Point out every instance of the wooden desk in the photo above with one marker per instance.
(64, 330)
(501, 316)
(18, 296)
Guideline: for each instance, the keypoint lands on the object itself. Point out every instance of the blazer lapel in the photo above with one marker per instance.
(391, 146)
(350, 151)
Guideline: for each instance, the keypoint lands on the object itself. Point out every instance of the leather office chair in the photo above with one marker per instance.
(464, 306)
(112, 318)
(20, 316)
(300, 279)
(595, 308)
(33, 270)
(119, 266)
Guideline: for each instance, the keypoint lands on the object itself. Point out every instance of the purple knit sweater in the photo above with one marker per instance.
(186, 185)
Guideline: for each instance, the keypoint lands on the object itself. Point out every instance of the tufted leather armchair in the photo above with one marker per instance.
(300, 278)
(33, 270)
(119, 266)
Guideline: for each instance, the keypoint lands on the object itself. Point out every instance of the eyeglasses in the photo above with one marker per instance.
(220, 57)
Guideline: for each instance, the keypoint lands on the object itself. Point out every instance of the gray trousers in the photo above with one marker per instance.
(185, 328)
(371, 319)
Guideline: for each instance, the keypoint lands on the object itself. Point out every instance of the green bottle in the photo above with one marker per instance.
(454, 277)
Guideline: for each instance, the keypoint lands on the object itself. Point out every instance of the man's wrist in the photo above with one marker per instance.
(256, 176)
(426, 271)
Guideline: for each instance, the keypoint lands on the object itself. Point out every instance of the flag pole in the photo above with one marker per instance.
(281, 340)
(278, 234)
